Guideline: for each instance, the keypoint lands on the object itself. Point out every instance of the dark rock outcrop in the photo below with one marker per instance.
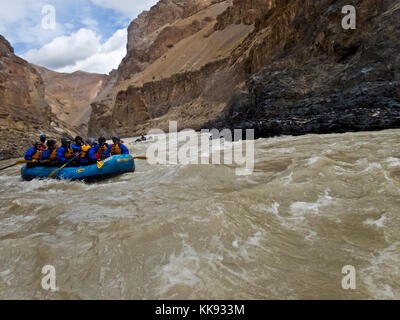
(322, 78)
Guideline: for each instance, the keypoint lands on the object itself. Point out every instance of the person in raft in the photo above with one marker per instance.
(84, 152)
(65, 152)
(116, 148)
(101, 148)
(42, 142)
(77, 146)
(35, 154)
(51, 152)
(90, 156)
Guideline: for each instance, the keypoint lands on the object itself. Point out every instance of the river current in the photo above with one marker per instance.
(313, 205)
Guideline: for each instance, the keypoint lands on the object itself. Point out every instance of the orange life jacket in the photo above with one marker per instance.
(69, 153)
(37, 155)
(53, 155)
(103, 149)
(115, 149)
(85, 151)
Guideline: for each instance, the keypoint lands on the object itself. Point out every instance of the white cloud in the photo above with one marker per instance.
(129, 8)
(82, 50)
(21, 21)
(90, 23)
(65, 50)
(116, 42)
(11, 11)
(69, 26)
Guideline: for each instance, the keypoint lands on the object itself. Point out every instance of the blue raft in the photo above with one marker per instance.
(113, 166)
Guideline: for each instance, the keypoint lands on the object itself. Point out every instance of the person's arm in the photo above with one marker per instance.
(108, 152)
(124, 149)
(92, 154)
(60, 155)
(29, 154)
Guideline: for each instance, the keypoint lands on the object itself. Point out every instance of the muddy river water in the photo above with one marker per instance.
(313, 205)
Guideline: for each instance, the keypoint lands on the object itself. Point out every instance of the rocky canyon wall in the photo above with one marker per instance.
(24, 113)
(309, 75)
(278, 66)
(174, 69)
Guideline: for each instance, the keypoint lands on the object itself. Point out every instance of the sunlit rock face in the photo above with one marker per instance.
(70, 94)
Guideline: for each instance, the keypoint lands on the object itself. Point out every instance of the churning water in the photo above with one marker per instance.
(313, 205)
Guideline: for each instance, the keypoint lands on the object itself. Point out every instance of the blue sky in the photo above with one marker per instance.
(89, 35)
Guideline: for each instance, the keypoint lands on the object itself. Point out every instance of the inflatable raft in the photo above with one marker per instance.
(112, 166)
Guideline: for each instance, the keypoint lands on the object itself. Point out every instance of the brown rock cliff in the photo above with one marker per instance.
(278, 66)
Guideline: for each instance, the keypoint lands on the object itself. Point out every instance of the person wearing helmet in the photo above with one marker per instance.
(42, 142)
(65, 152)
(117, 148)
(101, 148)
(77, 146)
(82, 150)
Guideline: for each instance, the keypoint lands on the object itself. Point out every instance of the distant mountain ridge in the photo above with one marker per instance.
(69, 94)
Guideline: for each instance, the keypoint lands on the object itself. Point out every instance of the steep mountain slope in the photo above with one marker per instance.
(24, 112)
(279, 66)
(173, 52)
(69, 94)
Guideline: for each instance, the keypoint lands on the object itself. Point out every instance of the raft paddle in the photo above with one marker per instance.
(51, 175)
(21, 162)
(140, 158)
